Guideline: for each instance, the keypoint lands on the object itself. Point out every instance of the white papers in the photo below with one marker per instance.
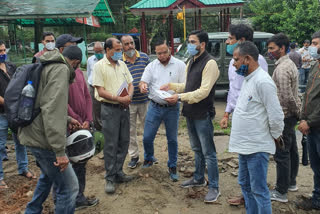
(123, 86)
(162, 94)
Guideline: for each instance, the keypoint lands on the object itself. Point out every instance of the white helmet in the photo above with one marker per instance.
(80, 146)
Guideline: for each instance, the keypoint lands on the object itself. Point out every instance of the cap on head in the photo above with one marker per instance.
(72, 52)
(65, 38)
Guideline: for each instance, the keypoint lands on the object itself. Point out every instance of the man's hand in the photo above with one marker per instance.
(173, 99)
(224, 122)
(86, 125)
(125, 101)
(62, 162)
(143, 87)
(303, 127)
(74, 125)
(165, 87)
(279, 142)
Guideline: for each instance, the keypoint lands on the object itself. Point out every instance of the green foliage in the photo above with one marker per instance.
(26, 35)
(296, 18)
(98, 36)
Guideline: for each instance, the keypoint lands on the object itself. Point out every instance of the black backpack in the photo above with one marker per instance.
(12, 96)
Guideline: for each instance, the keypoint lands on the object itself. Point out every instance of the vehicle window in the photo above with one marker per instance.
(261, 45)
(214, 47)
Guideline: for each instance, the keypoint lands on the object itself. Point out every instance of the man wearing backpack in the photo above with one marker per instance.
(7, 70)
(45, 137)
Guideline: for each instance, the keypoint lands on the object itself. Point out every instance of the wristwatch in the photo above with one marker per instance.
(179, 97)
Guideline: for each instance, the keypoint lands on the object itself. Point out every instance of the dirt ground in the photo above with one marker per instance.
(152, 192)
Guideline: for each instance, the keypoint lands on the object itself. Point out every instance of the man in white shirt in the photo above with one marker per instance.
(162, 71)
(96, 108)
(257, 124)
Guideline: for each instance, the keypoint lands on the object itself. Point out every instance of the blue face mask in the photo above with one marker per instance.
(99, 55)
(314, 52)
(3, 58)
(230, 48)
(243, 70)
(192, 49)
(117, 56)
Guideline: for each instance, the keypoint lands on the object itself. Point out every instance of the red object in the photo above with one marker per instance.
(143, 34)
(171, 32)
(92, 21)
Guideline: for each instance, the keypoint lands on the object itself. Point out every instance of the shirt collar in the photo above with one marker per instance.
(281, 59)
(247, 78)
(171, 61)
(107, 61)
(124, 56)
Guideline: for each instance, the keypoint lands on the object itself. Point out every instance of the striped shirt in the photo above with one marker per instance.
(136, 69)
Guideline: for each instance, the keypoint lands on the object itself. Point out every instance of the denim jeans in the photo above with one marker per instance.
(66, 184)
(155, 115)
(253, 170)
(21, 152)
(287, 159)
(314, 155)
(303, 76)
(202, 144)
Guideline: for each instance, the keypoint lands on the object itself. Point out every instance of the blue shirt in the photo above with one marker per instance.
(136, 69)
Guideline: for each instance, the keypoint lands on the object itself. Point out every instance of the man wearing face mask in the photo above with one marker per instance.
(285, 76)
(48, 42)
(310, 124)
(45, 137)
(80, 109)
(136, 62)
(161, 71)
(306, 63)
(108, 76)
(92, 60)
(257, 123)
(237, 34)
(197, 95)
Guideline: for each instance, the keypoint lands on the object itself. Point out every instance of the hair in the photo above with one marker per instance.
(97, 44)
(72, 52)
(292, 45)
(248, 48)
(306, 41)
(109, 43)
(47, 34)
(280, 40)
(160, 41)
(125, 36)
(241, 31)
(2, 42)
(202, 35)
(316, 35)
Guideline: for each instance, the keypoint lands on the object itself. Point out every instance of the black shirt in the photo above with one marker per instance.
(5, 79)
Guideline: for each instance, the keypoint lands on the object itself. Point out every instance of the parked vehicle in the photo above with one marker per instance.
(217, 48)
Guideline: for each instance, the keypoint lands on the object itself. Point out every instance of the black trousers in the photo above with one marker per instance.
(287, 159)
(80, 170)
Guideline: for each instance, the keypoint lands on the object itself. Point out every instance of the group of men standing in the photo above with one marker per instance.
(264, 112)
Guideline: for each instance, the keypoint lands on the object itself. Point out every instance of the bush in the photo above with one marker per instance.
(92, 37)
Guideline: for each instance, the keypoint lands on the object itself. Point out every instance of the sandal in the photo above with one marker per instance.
(3, 185)
(235, 201)
(28, 174)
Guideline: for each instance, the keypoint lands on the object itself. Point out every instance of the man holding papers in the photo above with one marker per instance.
(161, 71)
(113, 88)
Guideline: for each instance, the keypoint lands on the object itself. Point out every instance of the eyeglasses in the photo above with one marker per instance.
(2, 50)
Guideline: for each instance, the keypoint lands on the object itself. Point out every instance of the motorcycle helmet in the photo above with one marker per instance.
(80, 146)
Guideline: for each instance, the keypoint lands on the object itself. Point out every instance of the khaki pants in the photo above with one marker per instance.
(135, 110)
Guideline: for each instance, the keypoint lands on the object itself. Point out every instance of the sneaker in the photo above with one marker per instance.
(147, 164)
(293, 188)
(133, 163)
(277, 196)
(173, 174)
(109, 187)
(212, 196)
(87, 203)
(193, 183)
(5, 159)
(306, 204)
(155, 160)
(123, 178)
(236, 201)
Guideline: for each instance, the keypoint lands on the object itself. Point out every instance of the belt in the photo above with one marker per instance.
(161, 105)
(112, 105)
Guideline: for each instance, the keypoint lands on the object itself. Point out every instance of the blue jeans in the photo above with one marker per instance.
(66, 184)
(314, 155)
(21, 152)
(170, 117)
(202, 144)
(303, 76)
(253, 170)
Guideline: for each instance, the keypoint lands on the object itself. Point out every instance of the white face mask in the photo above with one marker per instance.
(50, 46)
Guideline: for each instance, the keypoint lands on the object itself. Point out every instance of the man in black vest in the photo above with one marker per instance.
(198, 108)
